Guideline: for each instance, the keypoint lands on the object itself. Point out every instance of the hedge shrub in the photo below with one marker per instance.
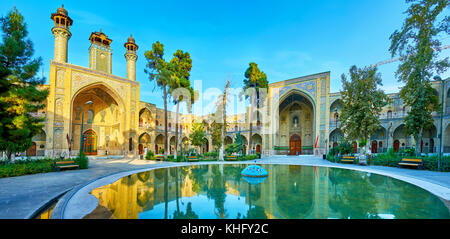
(150, 155)
(248, 157)
(24, 167)
(82, 160)
(391, 159)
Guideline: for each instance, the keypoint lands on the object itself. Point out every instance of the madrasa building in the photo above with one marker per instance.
(89, 107)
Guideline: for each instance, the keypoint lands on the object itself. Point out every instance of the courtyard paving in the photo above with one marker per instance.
(21, 196)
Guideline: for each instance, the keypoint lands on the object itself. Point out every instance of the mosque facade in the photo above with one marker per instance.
(89, 107)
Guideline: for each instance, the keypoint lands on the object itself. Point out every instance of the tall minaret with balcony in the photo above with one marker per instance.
(100, 53)
(61, 32)
(131, 57)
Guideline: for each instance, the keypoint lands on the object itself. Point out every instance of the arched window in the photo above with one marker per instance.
(389, 114)
(336, 116)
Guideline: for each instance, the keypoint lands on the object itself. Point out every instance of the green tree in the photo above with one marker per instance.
(180, 87)
(20, 96)
(235, 147)
(216, 133)
(362, 102)
(255, 79)
(238, 142)
(197, 136)
(418, 46)
(159, 72)
(221, 116)
(168, 76)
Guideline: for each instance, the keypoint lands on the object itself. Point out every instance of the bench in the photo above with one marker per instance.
(192, 159)
(411, 162)
(348, 159)
(65, 165)
(159, 157)
(231, 158)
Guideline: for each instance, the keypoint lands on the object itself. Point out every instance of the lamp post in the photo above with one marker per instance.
(181, 138)
(438, 78)
(82, 123)
(387, 138)
(335, 119)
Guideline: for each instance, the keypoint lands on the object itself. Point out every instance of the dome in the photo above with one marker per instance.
(131, 39)
(254, 171)
(62, 10)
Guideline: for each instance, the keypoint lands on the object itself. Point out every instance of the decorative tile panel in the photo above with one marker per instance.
(309, 87)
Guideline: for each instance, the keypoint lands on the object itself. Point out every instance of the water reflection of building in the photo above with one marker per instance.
(289, 192)
(131, 195)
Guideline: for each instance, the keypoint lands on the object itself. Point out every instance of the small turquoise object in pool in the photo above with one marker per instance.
(254, 171)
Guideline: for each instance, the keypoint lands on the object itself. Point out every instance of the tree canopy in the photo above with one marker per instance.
(169, 76)
(254, 79)
(197, 136)
(362, 103)
(20, 95)
(418, 45)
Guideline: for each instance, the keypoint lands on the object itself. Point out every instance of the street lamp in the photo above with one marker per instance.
(438, 78)
(335, 119)
(82, 122)
(181, 137)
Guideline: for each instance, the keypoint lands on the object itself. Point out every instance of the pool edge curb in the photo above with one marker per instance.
(108, 179)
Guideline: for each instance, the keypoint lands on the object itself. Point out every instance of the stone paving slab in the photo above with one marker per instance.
(21, 196)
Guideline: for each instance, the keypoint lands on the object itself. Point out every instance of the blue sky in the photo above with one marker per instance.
(287, 39)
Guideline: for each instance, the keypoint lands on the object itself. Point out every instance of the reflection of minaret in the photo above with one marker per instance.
(131, 57)
(61, 33)
(320, 193)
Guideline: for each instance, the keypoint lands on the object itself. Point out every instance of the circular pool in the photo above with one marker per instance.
(289, 192)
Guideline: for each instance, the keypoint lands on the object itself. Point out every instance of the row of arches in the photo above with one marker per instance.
(399, 139)
(396, 110)
(157, 145)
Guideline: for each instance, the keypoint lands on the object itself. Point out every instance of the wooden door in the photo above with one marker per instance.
(295, 145)
(374, 146)
(431, 150)
(258, 149)
(32, 150)
(141, 149)
(355, 147)
(90, 142)
(396, 145)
